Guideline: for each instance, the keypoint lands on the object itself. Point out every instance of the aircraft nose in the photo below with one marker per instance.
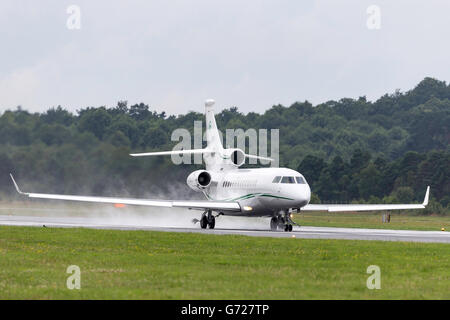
(303, 194)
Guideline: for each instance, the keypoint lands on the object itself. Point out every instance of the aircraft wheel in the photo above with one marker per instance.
(212, 223)
(203, 222)
(290, 228)
(273, 224)
(286, 227)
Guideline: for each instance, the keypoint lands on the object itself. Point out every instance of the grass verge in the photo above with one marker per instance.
(373, 220)
(158, 265)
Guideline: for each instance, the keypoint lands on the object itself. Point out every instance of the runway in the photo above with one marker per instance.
(297, 233)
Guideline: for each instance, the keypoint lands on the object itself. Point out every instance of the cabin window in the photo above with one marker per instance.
(276, 179)
(288, 180)
(300, 180)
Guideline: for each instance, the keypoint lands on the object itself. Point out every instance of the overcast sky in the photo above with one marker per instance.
(251, 54)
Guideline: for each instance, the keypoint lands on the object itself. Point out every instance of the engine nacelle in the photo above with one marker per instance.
(237, 156)
(199, 180)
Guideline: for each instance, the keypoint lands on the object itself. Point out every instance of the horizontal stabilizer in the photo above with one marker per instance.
(192, 151)
(250, 156)
(168, 153)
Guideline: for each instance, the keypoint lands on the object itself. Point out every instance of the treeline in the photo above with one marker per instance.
(87, 151)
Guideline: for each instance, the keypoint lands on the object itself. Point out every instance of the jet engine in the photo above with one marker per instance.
(237, 156)
(199, 180)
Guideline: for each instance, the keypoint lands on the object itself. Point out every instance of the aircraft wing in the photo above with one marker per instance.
(190, 204)
(366, 207)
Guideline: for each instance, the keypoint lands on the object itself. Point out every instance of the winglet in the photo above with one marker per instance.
(15, 185)
(427, 196)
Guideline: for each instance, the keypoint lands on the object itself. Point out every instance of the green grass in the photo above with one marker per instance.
(158, 265)
(373, 220)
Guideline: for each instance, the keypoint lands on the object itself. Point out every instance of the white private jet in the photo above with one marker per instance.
(271, 192)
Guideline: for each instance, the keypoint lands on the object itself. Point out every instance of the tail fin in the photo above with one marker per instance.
(212, 133)
(214, 155)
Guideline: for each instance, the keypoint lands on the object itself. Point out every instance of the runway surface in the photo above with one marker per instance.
(298, 232)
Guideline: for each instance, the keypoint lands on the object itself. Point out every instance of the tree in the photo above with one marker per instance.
(127, 126)
(140, 111)
(120, 109)
(359, 160)
(311, 167)
(6, 167)
(370, 182)
(57, 115)
(404, 194)
(95, 121)
(155, 137)
(53, 134)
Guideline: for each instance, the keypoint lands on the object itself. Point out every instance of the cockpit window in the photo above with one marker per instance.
(300, 180)
(276, 179)
(288, 180)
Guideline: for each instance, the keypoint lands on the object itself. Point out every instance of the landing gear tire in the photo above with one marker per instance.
(286, 227)
(290, 228)
(274, 224)
(212, 222)
(203, 222)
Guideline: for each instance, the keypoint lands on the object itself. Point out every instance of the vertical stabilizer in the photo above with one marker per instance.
(212, 134)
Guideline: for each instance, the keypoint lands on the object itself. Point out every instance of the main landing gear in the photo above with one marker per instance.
(207, 220)
(282, 222)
